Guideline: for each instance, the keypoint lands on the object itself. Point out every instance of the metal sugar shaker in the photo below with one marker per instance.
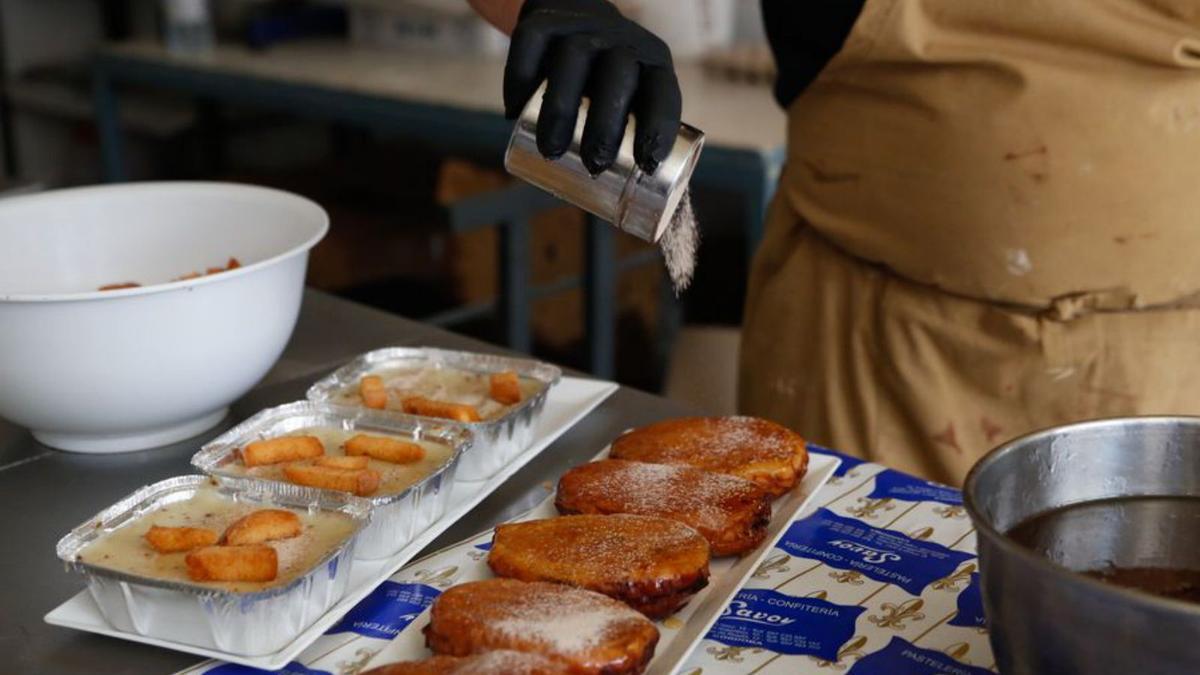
(636, 202)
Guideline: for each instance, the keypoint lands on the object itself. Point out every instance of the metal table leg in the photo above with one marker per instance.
(670, 321)
(759, 192)
(753, 174)
(108, 126)
(514, 283)
(211, 127)
(600, 289)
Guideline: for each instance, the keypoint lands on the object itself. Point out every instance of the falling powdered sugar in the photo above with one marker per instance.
(680, 243)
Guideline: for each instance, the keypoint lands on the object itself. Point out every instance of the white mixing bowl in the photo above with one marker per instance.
(112, 371)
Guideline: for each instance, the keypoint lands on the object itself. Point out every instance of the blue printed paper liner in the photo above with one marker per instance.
(880, 578)
(939, 630)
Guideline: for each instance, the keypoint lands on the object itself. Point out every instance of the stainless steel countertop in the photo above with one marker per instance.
(43, 492)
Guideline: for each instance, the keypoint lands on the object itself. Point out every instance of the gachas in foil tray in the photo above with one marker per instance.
(459, 378)
(239, 621)
(410, 497)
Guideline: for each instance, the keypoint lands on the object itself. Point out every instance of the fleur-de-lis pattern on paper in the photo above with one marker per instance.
(355, 666)
(894, 616)
(848, 577)
(841, 480)
(960, 576)
(443, 578)
(903, 614)
(849, 653)
(921, 533)
(950, 512)
(731, 654)
(958, 651)
(869, 509)
(776, 563)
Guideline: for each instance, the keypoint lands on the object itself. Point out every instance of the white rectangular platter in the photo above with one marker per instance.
(679, 633)
(570, 401)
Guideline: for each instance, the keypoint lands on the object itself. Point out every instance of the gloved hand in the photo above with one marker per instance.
(586, 47)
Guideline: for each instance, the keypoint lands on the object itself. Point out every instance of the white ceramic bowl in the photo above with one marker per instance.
(123, 370)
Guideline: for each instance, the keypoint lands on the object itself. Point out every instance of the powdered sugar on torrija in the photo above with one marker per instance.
(599, 546)
(719, 440)
(563, 619)
(737, 432)
(665, 490)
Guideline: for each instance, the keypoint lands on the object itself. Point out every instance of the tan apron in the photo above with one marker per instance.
(989, 223)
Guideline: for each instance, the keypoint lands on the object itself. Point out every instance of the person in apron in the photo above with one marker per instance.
(987, 225)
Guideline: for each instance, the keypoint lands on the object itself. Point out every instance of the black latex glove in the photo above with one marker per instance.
(585, 47)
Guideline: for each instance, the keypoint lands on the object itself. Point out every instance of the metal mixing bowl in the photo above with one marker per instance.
(1044, 618)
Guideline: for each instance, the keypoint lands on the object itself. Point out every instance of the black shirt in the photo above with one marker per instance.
(805, 35)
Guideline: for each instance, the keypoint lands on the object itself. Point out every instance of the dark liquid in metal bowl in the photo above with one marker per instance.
(1151, 544)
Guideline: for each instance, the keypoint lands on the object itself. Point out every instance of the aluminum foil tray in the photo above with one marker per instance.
(396, 519)
(497, 441)
(247, 623)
